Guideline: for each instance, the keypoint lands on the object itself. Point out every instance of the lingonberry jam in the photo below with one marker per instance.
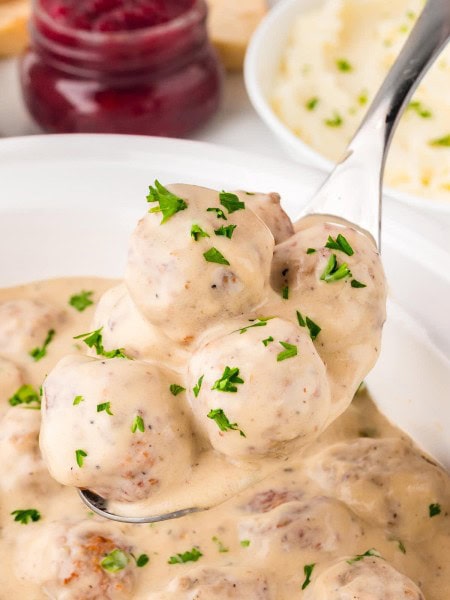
(120, 66)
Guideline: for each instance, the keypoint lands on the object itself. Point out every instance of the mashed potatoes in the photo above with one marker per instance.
(336, 58)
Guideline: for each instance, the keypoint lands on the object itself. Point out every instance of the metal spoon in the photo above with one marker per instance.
(353, 189)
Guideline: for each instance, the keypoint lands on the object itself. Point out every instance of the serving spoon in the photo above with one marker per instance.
(352, 191)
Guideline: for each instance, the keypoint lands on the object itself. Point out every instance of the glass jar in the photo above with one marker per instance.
(158, 80)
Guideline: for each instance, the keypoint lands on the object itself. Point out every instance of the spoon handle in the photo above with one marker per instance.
(353, 189)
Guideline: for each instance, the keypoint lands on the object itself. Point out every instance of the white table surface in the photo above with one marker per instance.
(235, 125)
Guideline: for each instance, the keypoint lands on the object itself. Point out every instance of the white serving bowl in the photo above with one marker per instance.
(261, 66)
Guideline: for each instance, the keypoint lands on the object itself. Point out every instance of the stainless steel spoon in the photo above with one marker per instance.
(353, 189)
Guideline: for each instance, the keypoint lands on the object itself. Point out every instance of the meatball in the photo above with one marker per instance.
(24, 324)
(268, 209)
(317, 524)
(84, 561)
(210, 260)
(207, 583)
(371, 476)
(260, 389)
(123, 326)
(368, 578)
(113, 426)
(11, 380)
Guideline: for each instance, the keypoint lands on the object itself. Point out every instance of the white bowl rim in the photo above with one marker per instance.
(268, 116)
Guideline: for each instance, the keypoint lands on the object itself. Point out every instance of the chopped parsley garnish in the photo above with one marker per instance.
(260, 322)
(80, 455)
(106, 407)
(231, 202)
(222, 421)
(285, 292)
(138, 424)
(196, 389)
(188, 556)
(142, 560)
(81, 301)
(226, 383)
(335, 121)
(115, 561)
(289, 351)
(357, 284)
(343, 65)
(358, 557)
(220, 545)
(168, 203)
(245, 543)
(434, 509)
(38, 353)
(307, 570)
(333, 271)
(94, 339)
(311, 251)
(219, 213)
(214, 256)
(311, 103)
(363, 98)
(401, 546)
(340, 243)
(197, 232)
(267, 341)
(27, 395)
(443, 141)
(313, 328)
(226, 231)
(176, 389)
(419, 108)
(77, 400)
(28, 515)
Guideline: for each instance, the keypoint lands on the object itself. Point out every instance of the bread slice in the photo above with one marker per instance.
(14, 16)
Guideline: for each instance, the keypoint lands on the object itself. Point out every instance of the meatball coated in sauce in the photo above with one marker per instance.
(113, 426)
(369, 578)
(371, 476)
(68, 561)
(274, 399)
(268, 208)
(179, 289)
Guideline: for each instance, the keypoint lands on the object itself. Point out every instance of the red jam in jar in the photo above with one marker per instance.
(120, 66)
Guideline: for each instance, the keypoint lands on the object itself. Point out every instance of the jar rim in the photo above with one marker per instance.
(195, 13)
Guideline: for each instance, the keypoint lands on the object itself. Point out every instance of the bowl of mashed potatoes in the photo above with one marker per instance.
(313, 68)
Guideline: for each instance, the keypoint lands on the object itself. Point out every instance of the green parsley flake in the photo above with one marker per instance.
(219, 213)
(142, 560)
(343, 65)
(261, 322)
(38, 353)
(94, 339)
(340, 243)
(311, 251)
(197, 232)
(220, 545)
(443, 141)
(401, 546)
(313, 328)
(333, 271)
(419, 109)
(196, 389)
(226, 231)
(138, 424)
(115, 561)
(28, 515)
(363, 98)
(434, 509)
(168, 203)
(176, 389)
(231, 202)
(214, 256)
(226, 383)
(307, 570)
(222, 421)
(188, 556)
(106, 407)
(357, 284)
(289, 351)
(77, 400)
(245, 543)
(80, 455)
(285, 292)
(358, 557)
(312, 103)
(26, 395)
(81, 301)
(334, 121)
(267, 341)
